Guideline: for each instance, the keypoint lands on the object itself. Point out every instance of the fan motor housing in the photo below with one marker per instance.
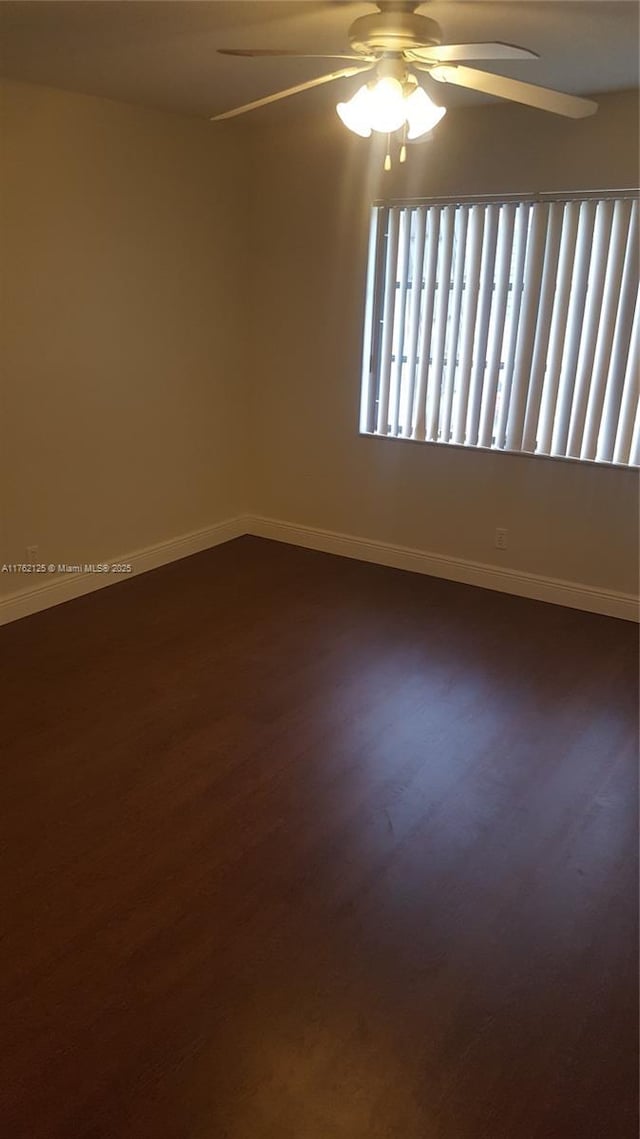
(394, 30)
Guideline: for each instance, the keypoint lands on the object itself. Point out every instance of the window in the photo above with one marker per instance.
(511, 325)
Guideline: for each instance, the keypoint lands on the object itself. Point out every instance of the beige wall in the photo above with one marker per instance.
(121, 396)
(313, 184)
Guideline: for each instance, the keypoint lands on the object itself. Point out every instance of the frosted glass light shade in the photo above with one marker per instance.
(356, 114)
(421, 112)
(386, 105)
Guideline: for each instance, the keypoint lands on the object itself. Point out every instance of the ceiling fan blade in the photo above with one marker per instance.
(446, 53)
(344, 73)
(542, 97)
(266, 53)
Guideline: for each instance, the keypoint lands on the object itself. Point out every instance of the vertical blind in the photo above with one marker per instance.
(509, 325)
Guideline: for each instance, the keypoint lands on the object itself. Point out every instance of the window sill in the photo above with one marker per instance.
(499, 451)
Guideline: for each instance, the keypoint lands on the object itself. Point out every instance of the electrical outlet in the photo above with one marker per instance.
(501, 538)
(32, 555)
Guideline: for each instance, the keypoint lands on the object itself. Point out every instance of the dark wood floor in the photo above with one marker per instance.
(295, 847)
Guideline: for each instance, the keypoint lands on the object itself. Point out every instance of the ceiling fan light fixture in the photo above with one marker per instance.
(387, 105)
(422, 113)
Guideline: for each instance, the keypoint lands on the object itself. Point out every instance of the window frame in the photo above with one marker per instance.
(376, 258)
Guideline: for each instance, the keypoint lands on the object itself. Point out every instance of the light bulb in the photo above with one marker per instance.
(356, 114)
(422, 113)
(386, 105)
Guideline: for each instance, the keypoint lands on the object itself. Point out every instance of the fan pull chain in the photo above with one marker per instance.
(402, 153)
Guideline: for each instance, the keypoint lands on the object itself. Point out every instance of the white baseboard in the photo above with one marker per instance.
(574, 595)
(571, 594)
(61, 588)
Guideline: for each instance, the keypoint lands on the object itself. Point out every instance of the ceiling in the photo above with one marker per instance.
(163, 54)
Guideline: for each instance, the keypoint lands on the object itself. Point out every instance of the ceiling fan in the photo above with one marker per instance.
(395, 43)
